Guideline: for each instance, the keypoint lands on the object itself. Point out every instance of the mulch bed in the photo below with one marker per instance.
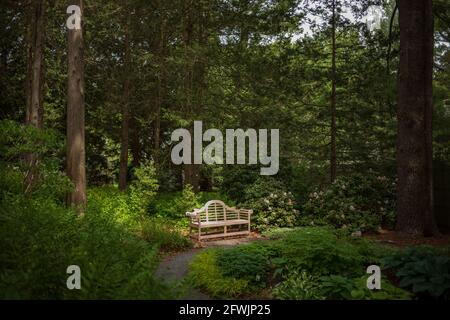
(404, 240)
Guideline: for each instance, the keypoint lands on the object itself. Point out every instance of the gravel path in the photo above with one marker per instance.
(175, 267)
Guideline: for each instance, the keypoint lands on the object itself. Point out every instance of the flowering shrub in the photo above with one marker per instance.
(357, 202)
(273, 206)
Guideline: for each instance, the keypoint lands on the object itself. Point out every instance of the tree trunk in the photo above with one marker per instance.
(35, 64)
(35, 79)
(160, 46)
(414, 116)
(333, 161)
(157, 128)
(123, 169)
(76, 157)
(135, 142)
(191, 175)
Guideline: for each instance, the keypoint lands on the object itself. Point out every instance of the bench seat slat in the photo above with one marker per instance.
(221, 223)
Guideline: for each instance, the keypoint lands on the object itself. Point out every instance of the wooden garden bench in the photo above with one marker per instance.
(216, 215)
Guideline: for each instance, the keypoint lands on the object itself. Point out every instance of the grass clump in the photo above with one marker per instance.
(205, 273)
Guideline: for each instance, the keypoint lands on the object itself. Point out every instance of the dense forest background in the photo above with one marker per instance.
(312, 69)
(237, 64)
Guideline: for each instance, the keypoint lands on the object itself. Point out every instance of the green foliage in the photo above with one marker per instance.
(40, 239)
(273, 206)
(317, 250)
(424, 270)
(356, 202)
(143, 189)
(188, 200)
(116, 206)
(372, 253)
(303, 178)
(163, 233)
(337, 287)
(313, 262)
(109, 202)
(299, 286)
(204, 273)
(16, 141)
(236, 179)
(173, 206)
(249, 262)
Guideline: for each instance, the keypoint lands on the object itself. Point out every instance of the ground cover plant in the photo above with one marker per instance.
(322, 117)
(313, 263)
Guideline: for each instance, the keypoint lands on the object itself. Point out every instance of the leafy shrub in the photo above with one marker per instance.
(302, 178)
(115, 263)
(424, 270)
(175, 205)
(273, 206)
(317, 250)
(143, 188)
(299, 286)
(372, 253)
(40, 239)
(204, 273)
(247, 262)
(238, 178)
(16, 141)
(356, 202)
(163, 233)
(337, 287)
(387, 291)
(188, 200)
(113, 204)
(34, 247)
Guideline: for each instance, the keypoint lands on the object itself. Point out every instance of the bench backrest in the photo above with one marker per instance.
(216, 210)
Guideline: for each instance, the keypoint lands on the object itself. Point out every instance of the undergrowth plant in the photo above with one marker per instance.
(423, 270)
(205, 273)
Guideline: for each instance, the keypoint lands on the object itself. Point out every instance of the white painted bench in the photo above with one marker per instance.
(217, 215)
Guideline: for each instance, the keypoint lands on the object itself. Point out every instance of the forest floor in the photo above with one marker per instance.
(174, 266)
(404, 240)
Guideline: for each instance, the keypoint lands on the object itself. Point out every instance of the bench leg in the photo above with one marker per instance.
(199, 233)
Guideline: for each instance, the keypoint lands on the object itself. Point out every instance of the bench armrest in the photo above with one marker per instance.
(245, 213)
(192, 214)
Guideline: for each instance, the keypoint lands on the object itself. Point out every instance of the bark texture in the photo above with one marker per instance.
(34, 80)
(76, 156)
(123, 168)
(414, 115)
